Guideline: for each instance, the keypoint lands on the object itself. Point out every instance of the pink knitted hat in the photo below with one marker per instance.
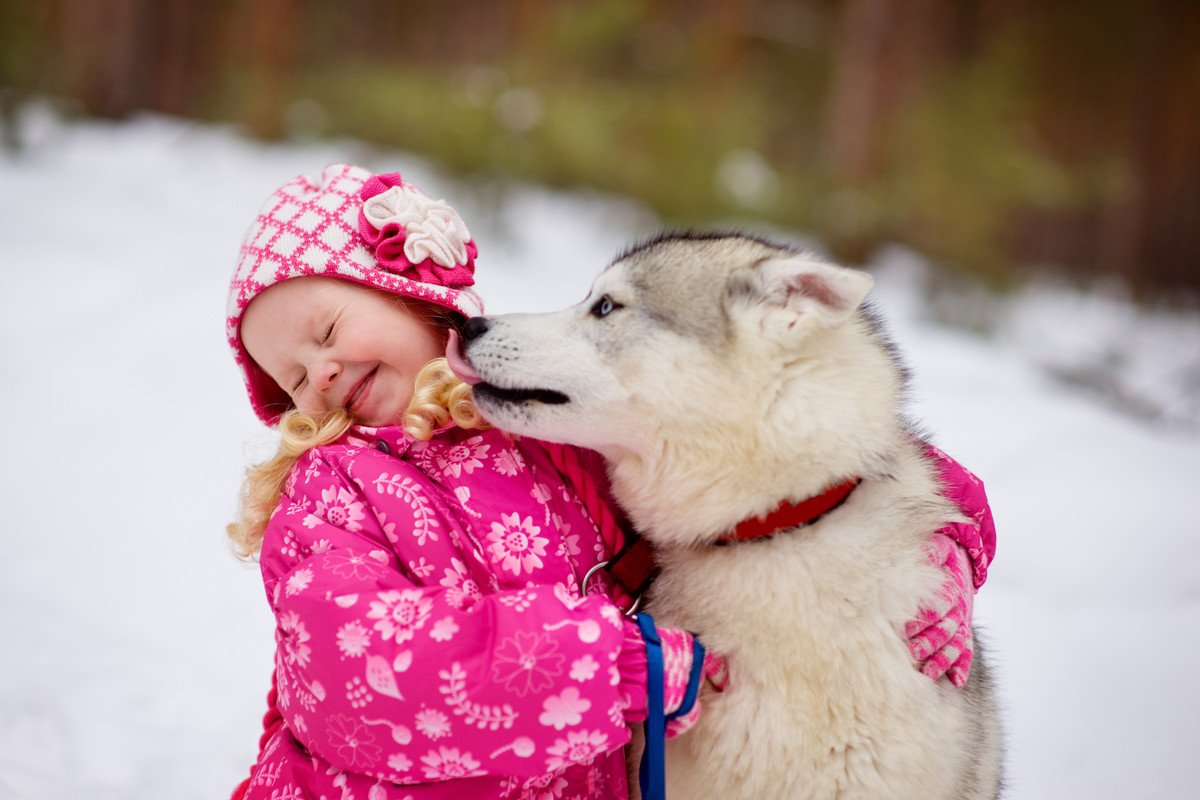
(351, 224)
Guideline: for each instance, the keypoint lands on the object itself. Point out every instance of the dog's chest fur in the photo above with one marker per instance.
(810, 621)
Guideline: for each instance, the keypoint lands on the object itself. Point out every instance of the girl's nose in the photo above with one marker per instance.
(324, 373)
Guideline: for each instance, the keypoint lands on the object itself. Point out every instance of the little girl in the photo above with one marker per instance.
(424, 571)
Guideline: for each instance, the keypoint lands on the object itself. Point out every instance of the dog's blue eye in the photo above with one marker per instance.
(604, 306)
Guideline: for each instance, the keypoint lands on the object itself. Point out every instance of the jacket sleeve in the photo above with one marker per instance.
(964, 489)
(412, 683)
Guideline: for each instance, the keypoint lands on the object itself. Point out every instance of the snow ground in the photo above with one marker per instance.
(136, 650)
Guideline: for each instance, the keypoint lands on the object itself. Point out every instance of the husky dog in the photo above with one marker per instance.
(720, 375)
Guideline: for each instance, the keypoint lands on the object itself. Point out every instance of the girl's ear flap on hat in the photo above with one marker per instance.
(789, 294)
(269, 399)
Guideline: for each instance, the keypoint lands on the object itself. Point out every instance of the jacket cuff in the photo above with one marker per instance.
(966, 536)
(631, 665)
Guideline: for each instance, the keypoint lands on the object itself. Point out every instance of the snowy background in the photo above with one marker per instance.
(135, 650)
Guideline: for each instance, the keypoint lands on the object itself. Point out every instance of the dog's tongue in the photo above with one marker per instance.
(458, 364)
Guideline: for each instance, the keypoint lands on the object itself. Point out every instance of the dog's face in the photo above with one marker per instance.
(680, 334)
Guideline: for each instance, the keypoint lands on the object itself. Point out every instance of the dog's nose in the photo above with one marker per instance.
(475, 327)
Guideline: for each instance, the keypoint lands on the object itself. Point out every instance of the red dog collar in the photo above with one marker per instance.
(633, 568)
(790, 515)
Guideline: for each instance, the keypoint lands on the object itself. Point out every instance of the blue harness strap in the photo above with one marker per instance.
(652, 772)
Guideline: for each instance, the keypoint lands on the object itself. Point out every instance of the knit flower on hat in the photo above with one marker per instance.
(410, 233)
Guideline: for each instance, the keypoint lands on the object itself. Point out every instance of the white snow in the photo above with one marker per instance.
(136, 650)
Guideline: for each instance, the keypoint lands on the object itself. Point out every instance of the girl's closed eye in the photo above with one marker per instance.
(322, 341)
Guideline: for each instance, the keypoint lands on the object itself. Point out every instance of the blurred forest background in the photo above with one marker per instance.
(996, 136)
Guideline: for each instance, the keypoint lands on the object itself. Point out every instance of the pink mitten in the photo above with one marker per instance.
(677, 667)
(940, 638)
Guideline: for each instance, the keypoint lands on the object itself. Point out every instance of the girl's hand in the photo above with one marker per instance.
(677, 666)
(940, 638)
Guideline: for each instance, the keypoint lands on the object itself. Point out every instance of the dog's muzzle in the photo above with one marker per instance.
(461, 366)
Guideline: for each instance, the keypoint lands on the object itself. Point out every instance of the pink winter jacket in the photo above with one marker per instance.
(431, 638)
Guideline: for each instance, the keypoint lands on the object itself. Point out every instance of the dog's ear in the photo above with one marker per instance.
(784, 291)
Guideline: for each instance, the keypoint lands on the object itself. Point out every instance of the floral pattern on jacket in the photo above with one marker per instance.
(431, 638)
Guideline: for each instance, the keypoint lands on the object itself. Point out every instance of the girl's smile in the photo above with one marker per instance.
(359, 393)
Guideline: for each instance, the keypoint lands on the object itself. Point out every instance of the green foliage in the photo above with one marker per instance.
(641, 140)
(965, 162)
(18, 44)
(722, 112)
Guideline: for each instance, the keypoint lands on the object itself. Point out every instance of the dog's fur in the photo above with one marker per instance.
(732, 374)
